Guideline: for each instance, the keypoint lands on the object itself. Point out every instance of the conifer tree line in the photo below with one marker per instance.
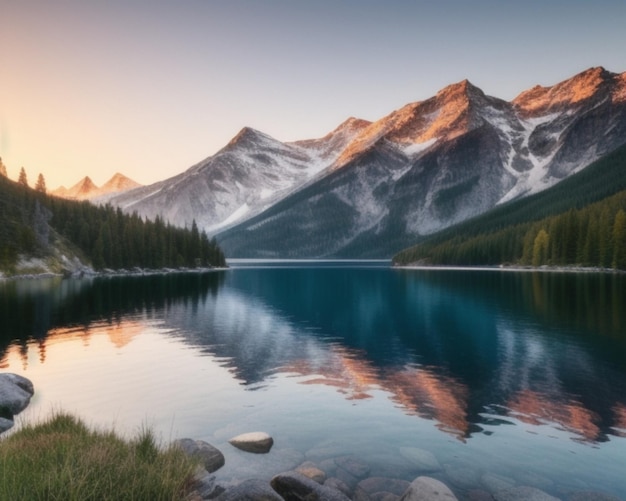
(105, 235)
(593, 236)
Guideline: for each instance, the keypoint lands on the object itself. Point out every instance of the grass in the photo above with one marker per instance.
(63, 459)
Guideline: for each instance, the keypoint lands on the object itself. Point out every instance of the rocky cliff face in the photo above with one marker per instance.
(368, 189)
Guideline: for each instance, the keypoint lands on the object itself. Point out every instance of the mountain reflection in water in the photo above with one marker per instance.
(465, 349)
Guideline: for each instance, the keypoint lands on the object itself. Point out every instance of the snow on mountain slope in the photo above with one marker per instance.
(248, 175)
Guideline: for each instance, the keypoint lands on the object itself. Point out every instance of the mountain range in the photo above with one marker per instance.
(369, 189)
(85, 189)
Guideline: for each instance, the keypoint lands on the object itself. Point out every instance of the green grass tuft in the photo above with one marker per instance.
(63, 459)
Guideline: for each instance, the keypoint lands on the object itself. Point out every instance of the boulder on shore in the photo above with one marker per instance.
(250, 490)
(257, 442)
(295, 486)
(15, 394)
(211, 457)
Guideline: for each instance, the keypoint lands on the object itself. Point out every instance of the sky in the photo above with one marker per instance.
(151, 87)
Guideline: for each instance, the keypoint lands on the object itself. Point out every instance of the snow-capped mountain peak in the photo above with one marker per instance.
(424, 166)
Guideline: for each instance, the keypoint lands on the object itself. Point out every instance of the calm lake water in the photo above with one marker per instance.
(504, 377)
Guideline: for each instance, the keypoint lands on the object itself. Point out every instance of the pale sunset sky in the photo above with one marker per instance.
(150, 87)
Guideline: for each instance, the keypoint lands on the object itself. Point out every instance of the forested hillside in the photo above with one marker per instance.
(581, 221)
(35, 224)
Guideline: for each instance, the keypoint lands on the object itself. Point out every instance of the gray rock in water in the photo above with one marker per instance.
(462, 475)
(591, 496)
(250, 490)
(384, 496)
(428, 489)
(523, 493)
(211, 457)
(257, 442)
(375, 485)
(294, 486)
(353, 466)
(309, 469)
(15, 393)
(423, 460)
(494, 482)
(205, 485)
(339, 485)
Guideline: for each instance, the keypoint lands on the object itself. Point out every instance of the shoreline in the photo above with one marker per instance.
(90, 273)
(511, 268)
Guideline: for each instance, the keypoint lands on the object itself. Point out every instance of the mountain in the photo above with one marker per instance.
(117, 184)
(438, 162)
(85, 189)
(370, 189)
(579, 215)
(248, 175)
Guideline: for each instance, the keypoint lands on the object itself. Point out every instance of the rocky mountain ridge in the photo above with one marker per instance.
(370, 188)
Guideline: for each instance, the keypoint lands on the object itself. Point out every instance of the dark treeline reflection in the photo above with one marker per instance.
(30, 308)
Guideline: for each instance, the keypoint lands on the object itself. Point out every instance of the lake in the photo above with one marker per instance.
(480, 378)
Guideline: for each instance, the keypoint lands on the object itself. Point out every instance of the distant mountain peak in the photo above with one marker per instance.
(118, 183)
(86, 189)
(85, 184)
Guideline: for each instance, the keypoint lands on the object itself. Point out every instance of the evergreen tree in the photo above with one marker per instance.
(540, 248)
(619, 240)
(41, 184)
(3, 169)
(22, 179)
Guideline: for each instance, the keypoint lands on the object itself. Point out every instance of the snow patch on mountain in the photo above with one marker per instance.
(412, 150)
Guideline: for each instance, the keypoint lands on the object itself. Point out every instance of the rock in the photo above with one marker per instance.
(384, 496)
(211, 457)
(494, 482)
(5, 424)
(250, 490)
(337, 484)
(427, 489)
(462, 475)
(309, 469)
(423, 460)
(533, 479)
(478, 495)
(258, 442)
(523, 493)
(15, 393)
(294, 486)
(375, 485)
(352, 466)
(205, 485)
(591, 496)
